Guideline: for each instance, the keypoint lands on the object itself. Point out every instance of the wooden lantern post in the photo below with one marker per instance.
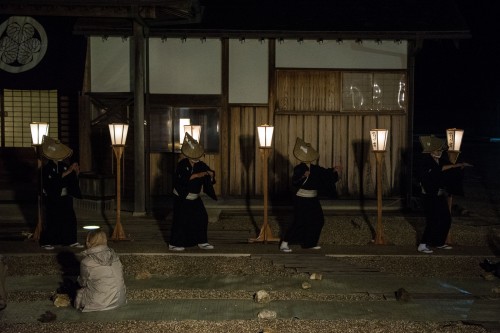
(118, 133)
(38, 130)
(265, 133)
(379, 143)
(454, 138)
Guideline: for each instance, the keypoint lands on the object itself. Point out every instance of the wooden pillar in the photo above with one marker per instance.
(412, 50)
(84, 126)
(224, 119)
(139, 157)
(271, 99)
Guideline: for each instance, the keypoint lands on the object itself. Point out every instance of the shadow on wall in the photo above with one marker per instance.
(282, 199)
(247, 156)
(361, 149)
(19, 180)
(161, 200)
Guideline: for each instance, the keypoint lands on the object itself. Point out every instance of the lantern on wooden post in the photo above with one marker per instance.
(379, 145)
(265, 136)
(118, 133)
(183, 122)
(194, 131)
(454, 137)
(38, 130)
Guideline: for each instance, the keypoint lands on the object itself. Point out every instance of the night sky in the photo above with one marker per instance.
(456, 83)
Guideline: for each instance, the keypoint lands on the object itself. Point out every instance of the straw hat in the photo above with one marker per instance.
(304, 152)
(191, 148)
(55, 150)
(431, 143)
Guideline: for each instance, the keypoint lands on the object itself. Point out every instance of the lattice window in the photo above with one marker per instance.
(21, 107)
(373, 91)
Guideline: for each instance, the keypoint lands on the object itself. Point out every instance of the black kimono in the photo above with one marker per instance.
(435, 197)
(308, 213)
(60, 225)
(190, 220)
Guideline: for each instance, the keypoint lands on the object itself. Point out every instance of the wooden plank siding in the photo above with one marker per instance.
(345, 141)
(245, 160)
(308, 106)
(340, 140)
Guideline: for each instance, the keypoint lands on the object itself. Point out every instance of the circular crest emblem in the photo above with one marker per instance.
(23, 43)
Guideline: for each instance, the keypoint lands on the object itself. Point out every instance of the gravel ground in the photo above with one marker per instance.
(424, 266)
(251, 326)
(240, 266)
(343, 230)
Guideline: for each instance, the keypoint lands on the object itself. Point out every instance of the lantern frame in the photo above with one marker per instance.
(118, 133)
(379, 138)
(182, 123)
(454, 138)
(265, 135)
(38, 130)
(194, 131)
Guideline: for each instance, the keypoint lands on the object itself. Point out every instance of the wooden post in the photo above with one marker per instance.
(379, 234)
(452, 156)
(265, 234)
(39, 225)
(139, 147)
(118, 232)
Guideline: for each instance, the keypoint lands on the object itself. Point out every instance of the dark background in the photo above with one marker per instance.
(456, 82)
(62, 66)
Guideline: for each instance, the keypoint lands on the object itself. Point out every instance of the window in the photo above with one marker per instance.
(373, 91)
(166, 134)
(305, 91)
(21, 107)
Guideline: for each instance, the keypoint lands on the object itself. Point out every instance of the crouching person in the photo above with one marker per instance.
(101, 276)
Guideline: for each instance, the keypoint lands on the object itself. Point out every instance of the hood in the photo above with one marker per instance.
(102, 254)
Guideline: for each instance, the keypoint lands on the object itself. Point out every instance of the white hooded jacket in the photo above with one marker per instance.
(101, 279)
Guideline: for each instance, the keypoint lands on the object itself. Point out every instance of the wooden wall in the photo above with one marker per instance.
(341, 140)
(309, 107)
(245, 158)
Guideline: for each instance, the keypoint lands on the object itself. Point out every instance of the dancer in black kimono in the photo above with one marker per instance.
(435, 185)
(190, 220)
(60, 184)
(309, 180)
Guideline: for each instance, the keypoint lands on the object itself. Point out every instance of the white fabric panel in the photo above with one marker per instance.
(248, 71)
(189, 67)
(348, 54)
(110, 64)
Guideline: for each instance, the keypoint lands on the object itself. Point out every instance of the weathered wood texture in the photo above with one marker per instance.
(309, 107)
(341, 140)
(311, 90)
(245, 160)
